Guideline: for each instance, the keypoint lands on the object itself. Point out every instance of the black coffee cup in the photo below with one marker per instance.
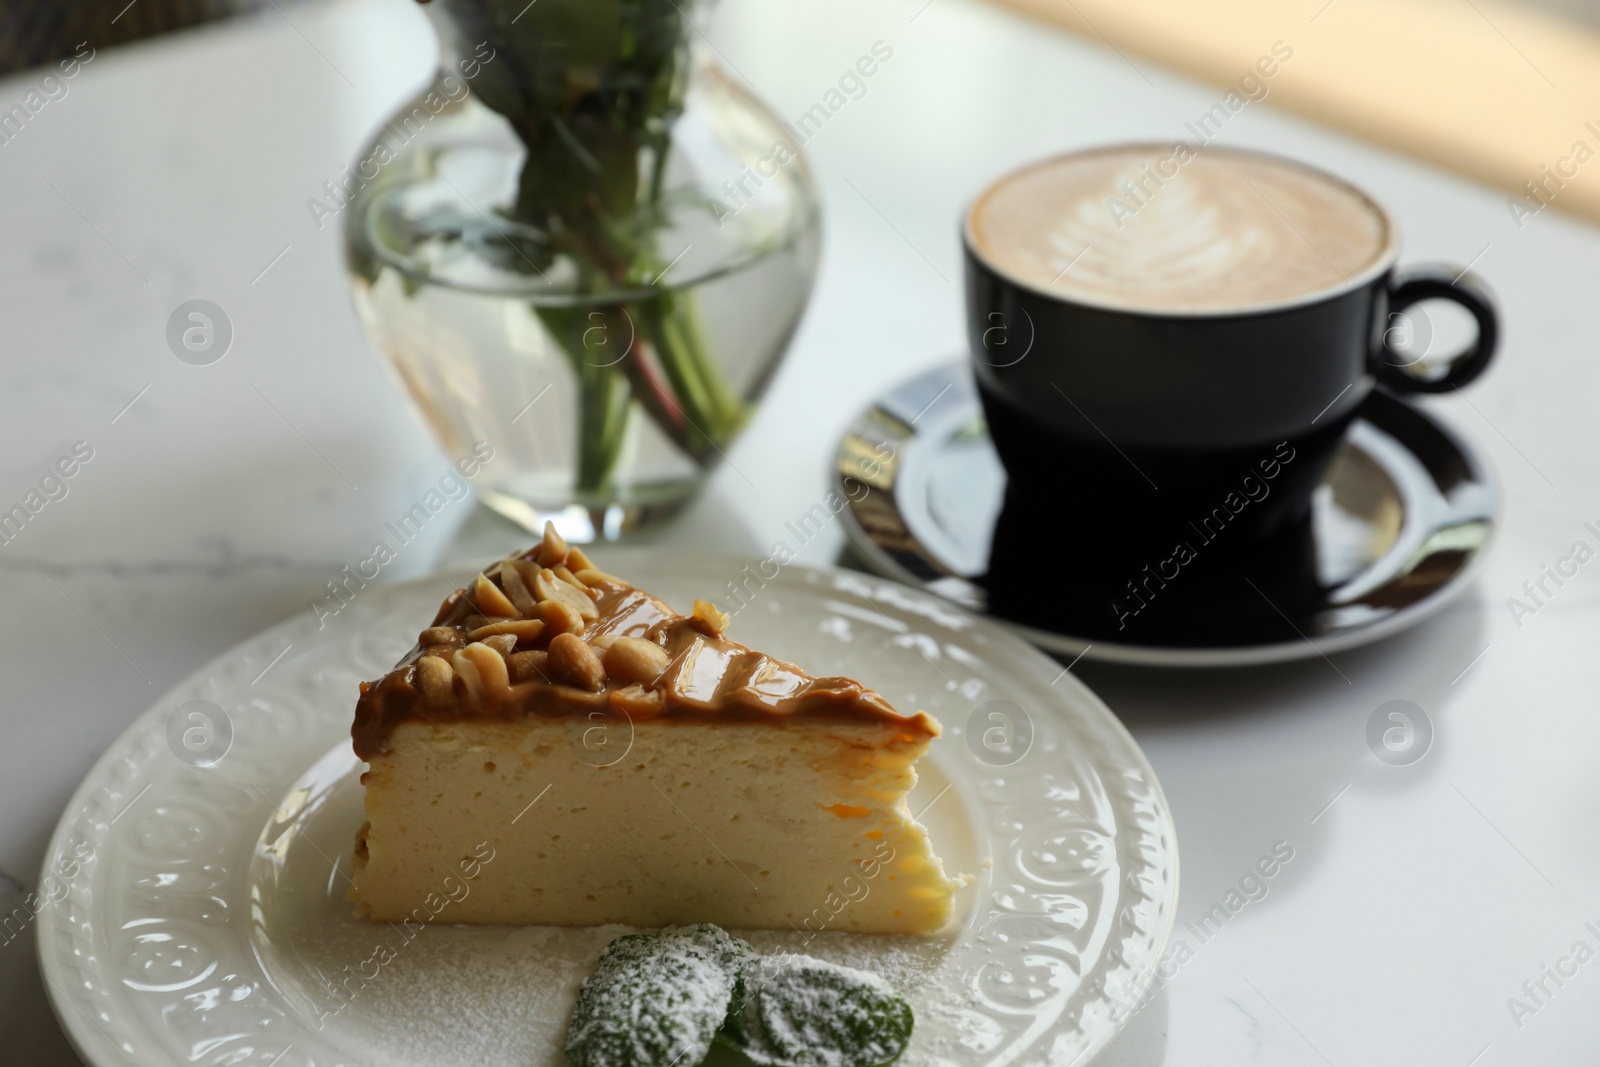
(1150, 422)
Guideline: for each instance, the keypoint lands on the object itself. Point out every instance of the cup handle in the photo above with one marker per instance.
(1441, 283)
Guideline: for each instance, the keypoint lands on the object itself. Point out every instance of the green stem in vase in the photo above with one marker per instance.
(586, 339)
(603, 397)
(713, 412)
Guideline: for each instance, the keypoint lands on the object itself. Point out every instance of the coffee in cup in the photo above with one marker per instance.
(1151, 325)
(1220, 232)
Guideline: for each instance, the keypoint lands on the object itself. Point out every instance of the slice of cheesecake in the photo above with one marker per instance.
(563, 749)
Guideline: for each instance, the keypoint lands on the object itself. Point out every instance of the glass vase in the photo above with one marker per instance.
(584, 252)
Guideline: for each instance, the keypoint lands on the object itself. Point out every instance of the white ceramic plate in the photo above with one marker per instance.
(202, 916)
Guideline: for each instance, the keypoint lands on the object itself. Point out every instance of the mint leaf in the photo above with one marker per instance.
(656, 1000)
(795, 1011)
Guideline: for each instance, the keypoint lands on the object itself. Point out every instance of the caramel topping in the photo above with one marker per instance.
(576, 664)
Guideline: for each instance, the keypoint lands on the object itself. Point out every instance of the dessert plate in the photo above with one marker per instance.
(205, 919)
(1400, 525)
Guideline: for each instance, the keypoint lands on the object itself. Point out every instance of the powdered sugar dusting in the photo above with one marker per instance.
(502, 996)
(488, 995)
(656, 998)
(808, 1012)
(908, 963)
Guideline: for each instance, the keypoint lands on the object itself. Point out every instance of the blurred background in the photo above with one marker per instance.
(222, 499)
(33, 33)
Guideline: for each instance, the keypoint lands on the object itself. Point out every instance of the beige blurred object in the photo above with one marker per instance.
(1505, 94)
(1586, 11)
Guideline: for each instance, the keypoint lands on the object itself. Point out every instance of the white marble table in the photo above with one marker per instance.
(220, 499)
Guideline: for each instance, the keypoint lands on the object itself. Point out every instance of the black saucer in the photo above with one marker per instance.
(1399, 525)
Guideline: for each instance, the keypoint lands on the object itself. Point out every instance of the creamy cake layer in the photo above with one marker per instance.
(777, 824)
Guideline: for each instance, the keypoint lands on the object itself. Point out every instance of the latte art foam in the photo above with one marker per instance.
(1149, 229)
